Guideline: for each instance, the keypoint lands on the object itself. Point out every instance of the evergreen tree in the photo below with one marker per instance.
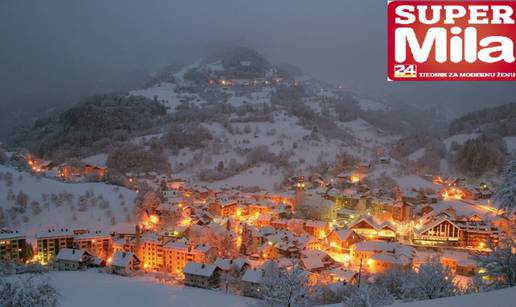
(506, 195)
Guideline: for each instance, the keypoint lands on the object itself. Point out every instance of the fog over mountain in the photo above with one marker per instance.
(55, 52)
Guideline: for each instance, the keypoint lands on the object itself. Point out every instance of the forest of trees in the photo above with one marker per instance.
(500, 120)
(94, 124)
(476, 157)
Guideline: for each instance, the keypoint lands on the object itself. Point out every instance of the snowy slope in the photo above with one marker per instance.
(59, 204)
(105, 290)
(498, 298)
(286, 135)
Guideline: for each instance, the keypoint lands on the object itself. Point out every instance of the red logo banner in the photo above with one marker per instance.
(451, 40)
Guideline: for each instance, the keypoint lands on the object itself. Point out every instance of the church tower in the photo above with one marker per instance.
(300, 193)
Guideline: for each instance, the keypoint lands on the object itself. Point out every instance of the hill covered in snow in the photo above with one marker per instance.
(32, 204)
(234, 118)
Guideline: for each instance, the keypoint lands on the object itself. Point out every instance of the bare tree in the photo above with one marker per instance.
(282, 287)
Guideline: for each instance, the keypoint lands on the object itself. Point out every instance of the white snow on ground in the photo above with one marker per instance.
(121, 203)
(416, 155)
(257, 176)
(86, 289)
(284, 135)
(371, 105)
(498, 298)
(366, 132)
(165, 93)
(459, 139)
(511, 144)
(96, 160)
(262, 95)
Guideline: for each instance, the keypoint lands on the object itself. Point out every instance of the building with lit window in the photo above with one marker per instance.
(96, 243)
(51, 242)
(178, 253)
(13, 247)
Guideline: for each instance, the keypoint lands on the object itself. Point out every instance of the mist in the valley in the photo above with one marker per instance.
(52, 53)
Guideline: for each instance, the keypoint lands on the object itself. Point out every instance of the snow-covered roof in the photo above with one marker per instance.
(374, 223)
(122, 259)
(93, 235)
(391, 258)
(179, 244)
(312, 263)
(433, 224)
(71, 254)
(228, 264)
(200, 269)
(11, 235)
(344, 234)
(316, 224)
(461, 258)
(382, 246)
(342, 274)
(203, 248)
(252, 276)
(54, 234)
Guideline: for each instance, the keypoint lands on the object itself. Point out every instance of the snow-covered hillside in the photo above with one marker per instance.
(105, 290)
(284, 134)
(31, 204)
(497, 298)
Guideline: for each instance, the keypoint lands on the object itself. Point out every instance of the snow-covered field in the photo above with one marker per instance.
(498, 298)
(86, 289)
(55, 204)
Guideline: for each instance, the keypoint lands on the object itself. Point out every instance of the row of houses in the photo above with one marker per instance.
(71, 259)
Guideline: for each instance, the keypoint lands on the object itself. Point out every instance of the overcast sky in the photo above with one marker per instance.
(54, 52)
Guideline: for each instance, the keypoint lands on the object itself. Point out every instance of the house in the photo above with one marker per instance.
(362, 252)
(201, 275)
(76, 172)
(96, 243)
(239, 265)
(342, 275)
(50, 242)
(370, 229)
(251, 283)
(178, 253)
(459, 263)
(440, 231)
(124, 263)
(341, 240)
(402, 211)
(318, 229)
(71, 259)
(97, 262)
(477, 234)
(268, 251)
(13, 247)
(388, 260)
(223, 208)
(264, 220)
(315, 261)
(152, 251)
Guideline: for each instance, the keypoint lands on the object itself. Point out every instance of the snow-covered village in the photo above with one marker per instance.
(229, 178)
